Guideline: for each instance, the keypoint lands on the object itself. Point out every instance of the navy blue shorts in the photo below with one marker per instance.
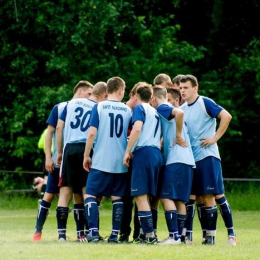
(146, 165)
(207, 178)
(53, 182)
(176, 182)
(106, 184)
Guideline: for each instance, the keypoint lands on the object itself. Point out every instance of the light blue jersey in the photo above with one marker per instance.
(174, 153)
(76, 116)
(151, 130)
(111, 118)
(53, 121)
(200, 118)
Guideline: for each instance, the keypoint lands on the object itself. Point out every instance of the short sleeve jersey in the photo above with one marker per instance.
(200, 118)
(53, 120)
(174, 153)
(112, 119)
(151, 130)
(76, 116)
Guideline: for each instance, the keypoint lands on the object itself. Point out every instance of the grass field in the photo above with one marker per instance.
(18, 216)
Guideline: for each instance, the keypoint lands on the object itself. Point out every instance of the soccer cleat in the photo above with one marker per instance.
(188, 241)
(232, 240)
(62, 239)
(139, 240)
(112, 240)
(81, 239)
(37, 237)
(210, 241)
(151, 241)
(92, 239)
(170, 241)
(123, 238)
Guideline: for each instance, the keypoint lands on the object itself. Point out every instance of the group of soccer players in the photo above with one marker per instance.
(169, 152)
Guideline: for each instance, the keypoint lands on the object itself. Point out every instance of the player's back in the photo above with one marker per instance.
(112, 119)
(76, 116)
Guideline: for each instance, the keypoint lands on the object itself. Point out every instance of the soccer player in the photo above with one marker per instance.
(109, 124)
(164, 80)
(200, 115)
(176, 179)
(144, 149)
(71, 138)
(51, 167)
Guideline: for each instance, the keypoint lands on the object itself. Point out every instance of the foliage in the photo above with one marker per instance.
(47, 47)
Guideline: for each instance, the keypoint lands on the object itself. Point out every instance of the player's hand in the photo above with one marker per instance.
(180, 141)
(49, 165)
(206, 142)
(59, 158)
(87, 162)
(127, 158)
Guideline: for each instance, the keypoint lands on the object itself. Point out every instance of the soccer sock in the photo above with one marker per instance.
(211, 215)
(146, 220)
(190, 208)
(201, 216)
(155, 218)
(137, 225)
(117, 215)
(42, 215)
(181, 222)
(226, 214)
(91, 213)
(62, 217)
(172, 223)
(79, 217)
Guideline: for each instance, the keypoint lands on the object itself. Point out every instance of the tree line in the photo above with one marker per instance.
(47, 47)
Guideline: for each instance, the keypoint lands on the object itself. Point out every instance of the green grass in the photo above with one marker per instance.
(18, 216)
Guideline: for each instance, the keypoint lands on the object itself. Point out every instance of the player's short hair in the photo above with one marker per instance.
(82, 84)
(99, 88)
(176, 79)
(133, 90)
(114, 84)
(191, 78)
(159, 91)
(175, 93)
(161, 78)
(144, 91)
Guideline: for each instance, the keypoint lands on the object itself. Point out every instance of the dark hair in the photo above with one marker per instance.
(145, 91)
(176, 79)
(191, 78)
(175, 93)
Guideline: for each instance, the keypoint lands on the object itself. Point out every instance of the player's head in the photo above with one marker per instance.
(189, 78)
(174, 96)
(176, 80)
(163, 80)
(159, 95)
(114, 84)
(83, 89)
(100, 90)
(144, 92)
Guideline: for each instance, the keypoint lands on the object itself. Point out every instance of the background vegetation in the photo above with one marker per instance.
(47, 47)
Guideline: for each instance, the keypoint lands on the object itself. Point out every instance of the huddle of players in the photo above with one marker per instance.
(95, 125)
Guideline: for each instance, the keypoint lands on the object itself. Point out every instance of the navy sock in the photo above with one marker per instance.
(190, 208)
(42, 215)
(146, 221)
(172, 223)
(201, 216)
(181, 222)
(79, 217)
(226, 214)
(117, 215)
(211, 215)
(155, 218)
(91, 213)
